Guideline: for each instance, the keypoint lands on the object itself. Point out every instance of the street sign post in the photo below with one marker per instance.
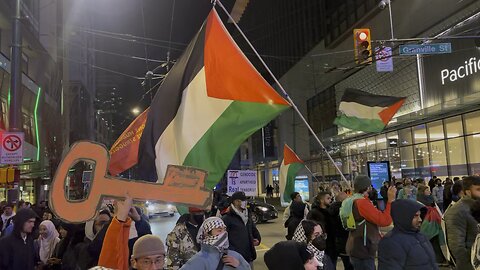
(434, 48)
(12, 148)
(384, 60)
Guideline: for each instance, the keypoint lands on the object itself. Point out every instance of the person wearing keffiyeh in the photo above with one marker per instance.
(214, 253)
(312, 234)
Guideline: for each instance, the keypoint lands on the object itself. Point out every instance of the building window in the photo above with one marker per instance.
(405, 136)
(420, 134)
(407, 161)
(381, 142)
(473, 153)
(422, 161)
(472, 122)
(438, 158)
(456, 157)
(454, 126)
(435, 131)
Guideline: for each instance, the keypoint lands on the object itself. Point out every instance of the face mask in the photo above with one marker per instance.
(244, 205)
(319, 243)
(199, 219)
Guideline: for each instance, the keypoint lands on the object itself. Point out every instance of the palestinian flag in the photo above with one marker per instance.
(210, 102)
(291, 164)
(366, 112)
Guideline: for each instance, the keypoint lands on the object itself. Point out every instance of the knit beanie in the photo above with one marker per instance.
(361, 182)
(148, 245)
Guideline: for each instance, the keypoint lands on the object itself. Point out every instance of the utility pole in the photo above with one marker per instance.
(15, 119)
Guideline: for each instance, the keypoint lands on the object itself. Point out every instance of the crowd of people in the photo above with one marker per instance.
(434, 222)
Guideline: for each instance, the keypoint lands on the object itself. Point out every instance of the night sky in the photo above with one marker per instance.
(125, 16)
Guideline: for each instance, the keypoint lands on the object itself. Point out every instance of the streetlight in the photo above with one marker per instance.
(136, 111)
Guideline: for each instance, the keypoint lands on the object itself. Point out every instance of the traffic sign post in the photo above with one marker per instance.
(12, 148)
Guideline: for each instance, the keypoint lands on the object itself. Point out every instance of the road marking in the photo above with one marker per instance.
(262, 247)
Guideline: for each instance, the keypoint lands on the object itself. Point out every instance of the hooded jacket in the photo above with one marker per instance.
(404, 247)
(209, 257)
(297, 213)
(15, 252)
(287, 255)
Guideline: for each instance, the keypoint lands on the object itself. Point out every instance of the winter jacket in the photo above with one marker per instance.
(181, 245)
(384, 193)
(437, 193)
(461, 230)
(209, 257)
(115, 245)
(363, 246)
(16, 253)
(241, 235)
(404, 247)
(325, 218)
(297, 214)
(408, 192)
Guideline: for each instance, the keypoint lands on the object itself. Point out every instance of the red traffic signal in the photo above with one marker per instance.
(362, 45)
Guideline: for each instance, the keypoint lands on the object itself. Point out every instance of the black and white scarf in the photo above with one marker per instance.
(218, 241)
(300, 236)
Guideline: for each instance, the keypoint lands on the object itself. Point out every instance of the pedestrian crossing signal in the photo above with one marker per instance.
(362, 45)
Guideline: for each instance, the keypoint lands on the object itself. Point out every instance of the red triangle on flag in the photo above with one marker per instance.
(289, 156)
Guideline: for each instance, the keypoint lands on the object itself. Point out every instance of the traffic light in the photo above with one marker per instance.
(363, 45)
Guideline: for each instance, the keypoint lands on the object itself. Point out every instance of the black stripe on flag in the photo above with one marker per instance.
(367, 99)
(166, 102)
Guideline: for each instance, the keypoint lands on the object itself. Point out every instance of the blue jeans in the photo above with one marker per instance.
(363, 264)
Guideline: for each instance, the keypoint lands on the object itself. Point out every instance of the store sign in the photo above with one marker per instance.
(379, 172)
(245, 181)
(452, 76)
(268, 145)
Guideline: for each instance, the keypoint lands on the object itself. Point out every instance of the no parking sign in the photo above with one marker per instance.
(12, 148)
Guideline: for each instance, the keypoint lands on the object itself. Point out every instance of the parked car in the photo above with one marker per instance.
(160, 209)
(262, 212)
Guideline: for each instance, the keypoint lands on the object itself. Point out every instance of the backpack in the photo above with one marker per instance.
(346, 213)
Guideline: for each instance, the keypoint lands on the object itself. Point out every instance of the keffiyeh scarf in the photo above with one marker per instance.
(218, 241)
(300, 236)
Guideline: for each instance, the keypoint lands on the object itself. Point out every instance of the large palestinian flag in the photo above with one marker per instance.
(366, 112)
(211, 101)
(289, 168)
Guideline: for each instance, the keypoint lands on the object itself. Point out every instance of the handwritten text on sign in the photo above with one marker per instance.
(245, 181)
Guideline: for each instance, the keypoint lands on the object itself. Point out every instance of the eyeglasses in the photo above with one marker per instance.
(148, 262)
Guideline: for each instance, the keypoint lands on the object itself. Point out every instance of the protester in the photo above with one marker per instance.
(437, 193)
(341, 235)
(383, 194)
(475, 255)
(65, 256)
(447, 193)
(214, 252)
(290, 255)
(362, 219)
(296, 197)
(95, 230)
(335, 188)
(312, 234)
(140, 227)
(244, 236)
(408, 191)
(182, 241)
(16, 250)
(322, 214)
(425, 196)
(461, 226)
(269, 189)
(45, 245)
(148, 250)
(457, 191)
(432, 182)
(373, 196)
(404, 247)
(277, 189)
(7, 215)
(297, 214)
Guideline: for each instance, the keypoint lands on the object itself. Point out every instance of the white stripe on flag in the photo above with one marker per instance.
(360, 110)
(196, 114)
(282, 176)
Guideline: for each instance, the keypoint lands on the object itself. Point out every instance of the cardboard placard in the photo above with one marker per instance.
(185, 185)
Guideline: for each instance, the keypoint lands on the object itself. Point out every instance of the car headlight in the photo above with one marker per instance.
(262, 208)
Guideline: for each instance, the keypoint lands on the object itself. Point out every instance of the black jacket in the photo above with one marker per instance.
(297, 212)
(325, 218)
(15, 253)
(405, 248)
(341, 235)
(240, 236)
(286, 255)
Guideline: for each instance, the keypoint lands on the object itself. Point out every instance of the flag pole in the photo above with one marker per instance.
(281, 87)
(308, 169)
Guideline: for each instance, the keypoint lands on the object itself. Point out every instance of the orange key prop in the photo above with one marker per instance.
(182, 184)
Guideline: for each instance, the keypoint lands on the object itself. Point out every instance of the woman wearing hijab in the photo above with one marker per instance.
(46, 242)
(312, 234)
(214, 254)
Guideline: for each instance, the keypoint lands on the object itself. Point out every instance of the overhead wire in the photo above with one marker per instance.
(144, 34)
